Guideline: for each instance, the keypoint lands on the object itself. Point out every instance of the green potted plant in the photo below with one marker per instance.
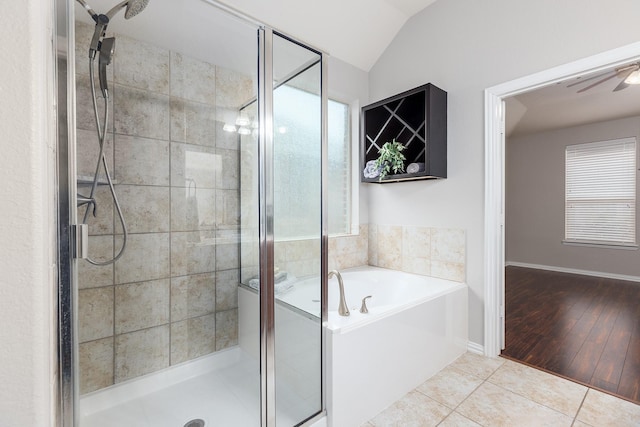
(391, 158)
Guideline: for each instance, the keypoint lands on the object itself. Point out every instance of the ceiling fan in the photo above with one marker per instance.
(630, 75)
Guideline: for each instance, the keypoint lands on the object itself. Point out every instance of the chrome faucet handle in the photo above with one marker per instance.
(363, 308)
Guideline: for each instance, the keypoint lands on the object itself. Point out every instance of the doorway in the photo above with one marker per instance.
(494, 175)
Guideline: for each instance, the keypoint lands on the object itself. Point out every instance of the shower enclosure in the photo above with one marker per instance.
(206, 206)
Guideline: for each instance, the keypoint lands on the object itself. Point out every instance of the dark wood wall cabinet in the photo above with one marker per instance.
(417, 119)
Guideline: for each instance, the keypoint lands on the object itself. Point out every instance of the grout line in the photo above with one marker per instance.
(575, 418)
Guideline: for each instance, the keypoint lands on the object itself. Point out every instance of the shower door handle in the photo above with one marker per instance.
(80, 240)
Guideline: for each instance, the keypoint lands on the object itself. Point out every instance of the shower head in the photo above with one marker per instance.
(134, 7)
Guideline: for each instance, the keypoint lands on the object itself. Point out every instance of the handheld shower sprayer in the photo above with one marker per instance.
(106, 47)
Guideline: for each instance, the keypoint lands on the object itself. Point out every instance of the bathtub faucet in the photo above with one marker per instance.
(343, 310)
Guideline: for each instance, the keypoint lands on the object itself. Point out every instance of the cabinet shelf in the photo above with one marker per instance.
(416, 118)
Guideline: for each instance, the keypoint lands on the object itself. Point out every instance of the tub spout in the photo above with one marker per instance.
(343, 310)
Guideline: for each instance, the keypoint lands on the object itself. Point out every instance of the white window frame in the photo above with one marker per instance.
(616, 242)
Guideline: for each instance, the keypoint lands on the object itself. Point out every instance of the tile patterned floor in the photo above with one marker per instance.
(478, 391)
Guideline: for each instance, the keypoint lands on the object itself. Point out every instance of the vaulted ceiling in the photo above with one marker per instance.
(355, 31)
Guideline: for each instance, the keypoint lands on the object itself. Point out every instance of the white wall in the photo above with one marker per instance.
(463, 47)
(535, 200)
(26, 284)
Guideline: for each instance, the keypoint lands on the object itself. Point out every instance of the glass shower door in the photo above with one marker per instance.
(297, 172)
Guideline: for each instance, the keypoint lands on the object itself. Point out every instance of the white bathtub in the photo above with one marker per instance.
(416, 325)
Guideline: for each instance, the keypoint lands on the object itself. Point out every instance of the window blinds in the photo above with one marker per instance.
(600, 192)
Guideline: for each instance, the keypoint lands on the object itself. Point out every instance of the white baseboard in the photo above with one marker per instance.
(574, 271)
(476, 348)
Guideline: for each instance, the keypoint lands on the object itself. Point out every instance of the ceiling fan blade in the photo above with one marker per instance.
(624, 75)
(597, 83)
(590, 78)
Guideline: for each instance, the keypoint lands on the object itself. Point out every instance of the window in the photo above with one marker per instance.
(339, 179)
(600, 193)
(297, 169)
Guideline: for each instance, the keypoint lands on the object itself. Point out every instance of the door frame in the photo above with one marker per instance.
(494, 178)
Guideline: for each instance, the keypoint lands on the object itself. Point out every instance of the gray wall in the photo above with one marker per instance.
(465, 46)
(535, 200)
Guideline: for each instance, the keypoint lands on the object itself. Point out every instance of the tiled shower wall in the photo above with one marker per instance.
(172, 296)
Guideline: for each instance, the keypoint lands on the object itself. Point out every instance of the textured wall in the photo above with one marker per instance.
(27, 280)
(173, 294)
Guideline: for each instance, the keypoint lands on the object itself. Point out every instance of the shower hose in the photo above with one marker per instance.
(102, 131)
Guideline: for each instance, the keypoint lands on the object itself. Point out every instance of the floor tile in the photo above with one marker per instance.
(600, 409)
(491, 405)
(557, 393)
(477, 365)
(450, 386)
(413, 410)
(456, 420)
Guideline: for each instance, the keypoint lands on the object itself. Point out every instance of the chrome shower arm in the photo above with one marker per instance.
(115, 9)
(88, 8)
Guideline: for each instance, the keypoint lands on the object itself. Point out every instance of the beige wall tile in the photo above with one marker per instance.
(448, 245)
(196, 163)
(416, 242)
(141, 65)
(193, 209)
(227, 289)
(227, 208)
(233, 89)
(141, 161)
(192, 79)
(146, 258)
(96, 365)
(193, 296)
(227, 256)
(94, 276)
(145, 208)
(102, 222)
(373, 245)
(85, 117)
(228, 174)
(226, 329)
(448, 270)
(142, 305)
(300, 250)
(192, 338)
(88, 151)
(189, 255)
(416, 265)
(193, 122)
(95, 313)
(390, 246)
(141, 352)
(140, 113)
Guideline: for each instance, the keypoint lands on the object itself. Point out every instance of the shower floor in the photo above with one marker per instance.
(227, 396)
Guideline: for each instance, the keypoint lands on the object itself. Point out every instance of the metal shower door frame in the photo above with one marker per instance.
(67, 215)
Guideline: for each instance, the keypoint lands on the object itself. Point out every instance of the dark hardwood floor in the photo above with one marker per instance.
(583, 328)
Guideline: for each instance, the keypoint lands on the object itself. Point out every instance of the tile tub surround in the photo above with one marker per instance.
(172, 295)
(429, 251)
(478, 391)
